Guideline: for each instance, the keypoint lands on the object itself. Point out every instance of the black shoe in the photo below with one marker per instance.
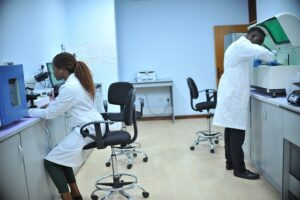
(229, 166)
(247, 175)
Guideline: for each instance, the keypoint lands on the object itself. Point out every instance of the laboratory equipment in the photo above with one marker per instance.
(41, 76)
(13, 104)
(294, 96)
(54, 82)
(143, 76)
(282, 35)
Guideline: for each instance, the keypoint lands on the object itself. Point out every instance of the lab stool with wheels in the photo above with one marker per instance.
(116, 183)
(209, 135)
(117, 96)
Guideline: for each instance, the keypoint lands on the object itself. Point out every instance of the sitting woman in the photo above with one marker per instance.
(76, 101)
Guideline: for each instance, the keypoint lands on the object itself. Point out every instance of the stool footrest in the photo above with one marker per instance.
(119, 184)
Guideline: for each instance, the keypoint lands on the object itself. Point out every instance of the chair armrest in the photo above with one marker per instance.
(105, 105)
(98, 136)
(105, 115)
(139, 114)
(211, 94)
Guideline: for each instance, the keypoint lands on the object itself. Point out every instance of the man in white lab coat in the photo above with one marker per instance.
(233, 97)
(76, 102)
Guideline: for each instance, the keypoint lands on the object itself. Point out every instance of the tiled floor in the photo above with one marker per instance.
(173, 171)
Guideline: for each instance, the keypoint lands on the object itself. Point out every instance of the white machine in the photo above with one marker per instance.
(144, 76)
(283, 35)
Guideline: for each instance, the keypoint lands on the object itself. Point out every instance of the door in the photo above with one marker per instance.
(256, 130)
(272, 147)
(219, 33)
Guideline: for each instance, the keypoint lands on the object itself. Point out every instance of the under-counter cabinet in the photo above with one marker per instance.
(266, 145)
(291, 172)
(35, 145)
(22, 170)
(13, 184)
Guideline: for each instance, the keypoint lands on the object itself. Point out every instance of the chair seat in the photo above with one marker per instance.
(116, 138)
(205, 105)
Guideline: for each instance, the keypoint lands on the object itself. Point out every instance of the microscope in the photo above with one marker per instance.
(30, 95)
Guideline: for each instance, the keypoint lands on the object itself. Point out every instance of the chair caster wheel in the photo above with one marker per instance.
(216, 141)
(212, 151)
(129, 166)
(145, 159)
(134, 155)
(107, 164)
(94, 197)
(192, 148)
(145, 194)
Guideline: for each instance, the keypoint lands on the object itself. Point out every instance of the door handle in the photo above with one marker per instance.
(48, 135)
(20, 151)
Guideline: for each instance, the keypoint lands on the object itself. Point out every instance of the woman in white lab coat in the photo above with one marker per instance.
(233, 97)
(76, 101)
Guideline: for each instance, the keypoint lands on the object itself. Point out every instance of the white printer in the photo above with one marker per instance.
(283, 35)
(144, 76)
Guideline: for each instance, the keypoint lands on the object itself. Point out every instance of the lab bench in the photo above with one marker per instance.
(274, 142)
(23, 147)
(161, 90)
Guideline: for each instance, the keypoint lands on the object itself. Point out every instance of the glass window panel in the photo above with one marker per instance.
(275, 30)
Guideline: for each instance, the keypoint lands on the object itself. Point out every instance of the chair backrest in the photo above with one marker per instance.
(129, 108)
(117, 93)
(130, 114)
(194, 94)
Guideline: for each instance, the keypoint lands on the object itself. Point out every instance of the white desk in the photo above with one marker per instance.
(152, 85)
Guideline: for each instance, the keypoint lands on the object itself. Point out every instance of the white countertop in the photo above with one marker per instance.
(16, 127)
(280, 101)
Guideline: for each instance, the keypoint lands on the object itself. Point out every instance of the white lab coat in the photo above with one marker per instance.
(234, 86)
(77, 106)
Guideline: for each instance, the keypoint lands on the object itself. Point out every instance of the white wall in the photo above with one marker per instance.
(32, 32)
(268, 8)
(175, 38)
(91, 36)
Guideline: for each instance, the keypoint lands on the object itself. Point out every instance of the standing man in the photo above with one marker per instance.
(234, 94)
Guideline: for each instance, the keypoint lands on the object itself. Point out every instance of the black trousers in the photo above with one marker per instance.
(234, 139)
(60, 175)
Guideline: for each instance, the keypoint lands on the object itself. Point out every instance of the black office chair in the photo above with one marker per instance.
(117, 96)
(116, 183)
(210, 103)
